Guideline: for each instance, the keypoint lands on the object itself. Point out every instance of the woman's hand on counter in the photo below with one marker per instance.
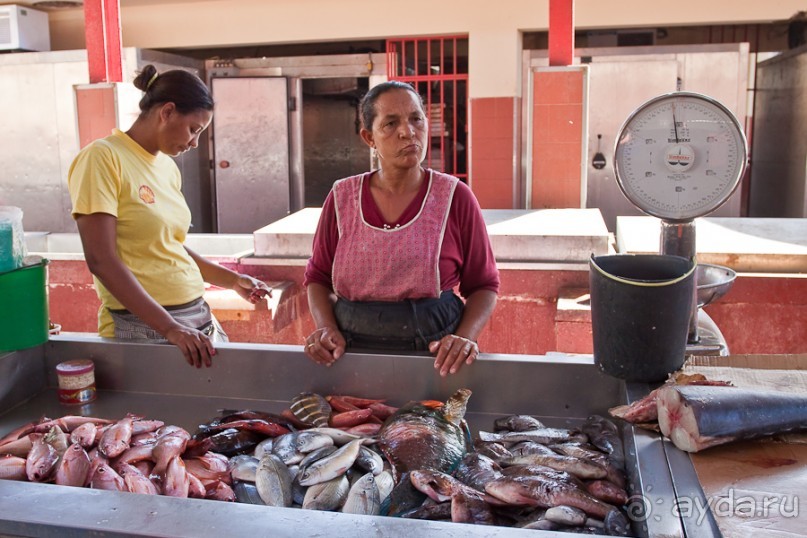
(195, 345)
(452, 351)
(325, 345)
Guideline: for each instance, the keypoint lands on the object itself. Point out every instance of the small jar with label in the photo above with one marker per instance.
(76, 381)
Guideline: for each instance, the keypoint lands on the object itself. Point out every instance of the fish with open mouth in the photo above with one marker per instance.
(426, 436)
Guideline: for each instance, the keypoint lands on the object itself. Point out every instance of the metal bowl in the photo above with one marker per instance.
(714, 281)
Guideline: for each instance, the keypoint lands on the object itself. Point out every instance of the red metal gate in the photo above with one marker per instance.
(438, 68)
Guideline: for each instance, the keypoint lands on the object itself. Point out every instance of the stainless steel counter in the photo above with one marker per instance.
(153, 380)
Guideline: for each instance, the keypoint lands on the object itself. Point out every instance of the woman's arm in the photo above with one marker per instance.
(98, 232)
(249, 288)
(326, 344)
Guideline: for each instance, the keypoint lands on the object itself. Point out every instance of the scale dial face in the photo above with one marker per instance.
(680, 156)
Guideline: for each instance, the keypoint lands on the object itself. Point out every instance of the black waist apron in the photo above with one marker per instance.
(403, 326)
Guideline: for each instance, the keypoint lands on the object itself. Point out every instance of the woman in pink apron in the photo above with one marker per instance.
(392, 245)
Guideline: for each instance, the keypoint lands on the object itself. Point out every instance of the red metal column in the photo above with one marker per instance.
(561, 32)
(103, 40)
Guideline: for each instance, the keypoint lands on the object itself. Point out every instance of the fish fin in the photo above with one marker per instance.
(454, 409)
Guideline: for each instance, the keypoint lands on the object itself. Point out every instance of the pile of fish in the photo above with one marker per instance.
(348, 454)
(526, 475)
(131, 454)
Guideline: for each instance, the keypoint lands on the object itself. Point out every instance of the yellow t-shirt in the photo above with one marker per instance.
(115, 175)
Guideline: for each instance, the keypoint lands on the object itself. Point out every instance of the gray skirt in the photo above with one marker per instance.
(195, 314)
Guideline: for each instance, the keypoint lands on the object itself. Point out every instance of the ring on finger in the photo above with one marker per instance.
(310, 345)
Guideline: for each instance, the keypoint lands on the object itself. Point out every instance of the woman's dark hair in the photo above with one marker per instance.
(367, 106)
(184, 89)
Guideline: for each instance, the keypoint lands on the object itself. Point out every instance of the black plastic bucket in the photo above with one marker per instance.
(640, 311)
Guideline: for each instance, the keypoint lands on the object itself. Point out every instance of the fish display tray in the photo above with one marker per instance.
(154, 381)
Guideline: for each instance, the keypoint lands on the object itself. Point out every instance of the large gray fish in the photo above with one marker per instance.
(698, 417)
(363, 497)
(329, 495)
(311, 409)
(421, 436)
(273, 481)
(331, 466)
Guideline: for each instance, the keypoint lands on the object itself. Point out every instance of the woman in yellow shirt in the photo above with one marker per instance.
(133, 220)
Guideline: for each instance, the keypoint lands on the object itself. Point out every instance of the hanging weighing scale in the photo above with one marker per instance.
(680, 156)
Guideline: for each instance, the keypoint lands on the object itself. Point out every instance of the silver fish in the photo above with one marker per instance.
(273, 481)
(363, 497)
(244, 468)
(340, 437)
(285, 448)
(331, 466)
(309, 441)
(318, 454)
(311, 409)
(247, 492)
(385, 483)
(263, 447)
(328, 495)
(370, 460)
